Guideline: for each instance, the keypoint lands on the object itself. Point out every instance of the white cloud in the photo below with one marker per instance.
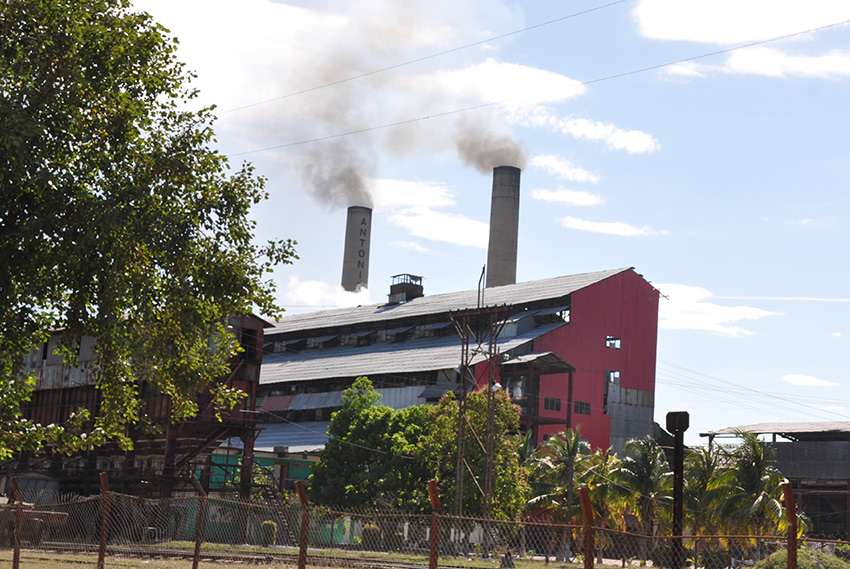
(835, 334)
(410, 245)
(440, 226)
(415, 206)
(728, 22)
(616, 138)
(564, 169)
(687, 307)
(567, 197)
(686, 69)
(776, 63)
(388, 194)
(493, 81)
(317, 294)
(807, 381)
(608, 227)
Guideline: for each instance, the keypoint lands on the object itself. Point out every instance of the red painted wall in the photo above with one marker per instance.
(624, 306)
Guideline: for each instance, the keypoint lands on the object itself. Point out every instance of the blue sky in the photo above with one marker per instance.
(723, 179)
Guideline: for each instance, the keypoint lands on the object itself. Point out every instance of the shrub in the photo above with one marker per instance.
(806, 559)
(268, 533)
(371, 537)
(661, 555)
(714, 557)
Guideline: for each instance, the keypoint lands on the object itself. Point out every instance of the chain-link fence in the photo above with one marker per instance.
(116, 530)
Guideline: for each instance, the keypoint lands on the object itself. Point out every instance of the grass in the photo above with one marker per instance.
(273, 558)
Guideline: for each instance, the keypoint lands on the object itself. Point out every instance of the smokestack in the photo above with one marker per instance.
(355, 257)
(504, 225)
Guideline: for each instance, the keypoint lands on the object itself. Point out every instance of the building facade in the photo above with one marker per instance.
(572, 351)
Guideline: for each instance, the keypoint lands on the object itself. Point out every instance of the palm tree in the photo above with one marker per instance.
(607, 497)
(557, 468)
(753, 489)
(647, 474)
(703, 492)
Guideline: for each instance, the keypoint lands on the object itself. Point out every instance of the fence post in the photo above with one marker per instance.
(19, 522)
(201, 521)
(434, 552)
(104, 520)
(305, 524)
(589, 531)
(791, 513)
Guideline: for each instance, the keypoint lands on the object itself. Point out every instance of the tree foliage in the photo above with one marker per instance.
(118, 220)
(510, 480)
(369, 457)
(380, 456)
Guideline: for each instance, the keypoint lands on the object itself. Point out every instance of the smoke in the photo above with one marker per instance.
(482, 146)
(337, 174)
(336, 134)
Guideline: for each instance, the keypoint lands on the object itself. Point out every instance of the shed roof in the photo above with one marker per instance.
(422, 354)
(813, 431)
(515, 294)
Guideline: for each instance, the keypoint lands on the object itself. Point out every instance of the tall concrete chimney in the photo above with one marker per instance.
(504, 226)
(355, 256)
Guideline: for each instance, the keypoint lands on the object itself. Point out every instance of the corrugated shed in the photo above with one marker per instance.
(422, 354)
(299, 437)
(515, 294)
(833, 430)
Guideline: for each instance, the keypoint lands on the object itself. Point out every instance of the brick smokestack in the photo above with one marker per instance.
(504, 227)
(355, 257)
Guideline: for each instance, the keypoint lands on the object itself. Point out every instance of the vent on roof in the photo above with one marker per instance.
(405, 287)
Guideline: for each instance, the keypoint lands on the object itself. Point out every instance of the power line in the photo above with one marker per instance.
(504, 101)
(427, 57)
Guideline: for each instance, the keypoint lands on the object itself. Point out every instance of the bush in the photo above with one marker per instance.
(661, 555)
(714, 557)
(268, 533)
(806, 559)
(372, 537)
(842, 550)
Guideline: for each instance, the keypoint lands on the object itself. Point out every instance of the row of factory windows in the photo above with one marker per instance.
(530, 318)
(583, 407)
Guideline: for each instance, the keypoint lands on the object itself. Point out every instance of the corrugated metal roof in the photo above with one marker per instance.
(301, 436)
(824, 430)
(515, 294)
(421, 354)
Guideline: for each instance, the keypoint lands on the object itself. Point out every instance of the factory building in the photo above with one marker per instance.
(571, 351)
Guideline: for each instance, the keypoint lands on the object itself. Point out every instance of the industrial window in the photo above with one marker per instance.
(552, 404)
(612, 342)
(582, 407)
(612, 376)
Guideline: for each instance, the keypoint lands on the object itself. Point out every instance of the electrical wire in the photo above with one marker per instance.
(505, 101)
(427, 57)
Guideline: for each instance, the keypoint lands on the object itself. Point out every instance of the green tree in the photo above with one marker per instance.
(369, 458)
(752, 484)
(703, 491)
(600, 472)
(559, 457)
(439, 448)
(645, 471)
(118, 220)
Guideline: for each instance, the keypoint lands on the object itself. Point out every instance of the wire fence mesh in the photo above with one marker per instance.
(115, 530)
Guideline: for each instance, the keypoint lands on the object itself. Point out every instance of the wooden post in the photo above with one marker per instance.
(104, 520)
(589, 530)
(19, 521)
(305, 524)
(434, 552)
(200, 522)
(791, 513)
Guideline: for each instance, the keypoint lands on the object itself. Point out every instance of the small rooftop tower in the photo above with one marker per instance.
(405, 287)
(355, 256)
(504, 227)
